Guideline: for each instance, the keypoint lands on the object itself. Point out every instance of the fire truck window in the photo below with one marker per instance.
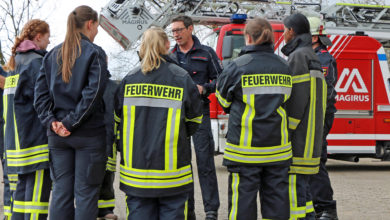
(238, 43)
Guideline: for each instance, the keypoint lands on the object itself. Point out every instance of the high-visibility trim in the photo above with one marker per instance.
(293, 123)
(171, 138)
(106, 203)
(301, 78)
(267, 90)
(156, 174)
(283, 126)
(128, 133)
(5, 111)
(185, 210)
(12, 177)
(295, 211)
(110, 167)
(258, 150)
(31, 207)
(153, 91)
(235, 183)
(37, 193)
(153, 102)
(28, 160)
(266, 80)
(12, 186)
(7, 211)
(221, 100)
(317, 74)
(196, 120)
(156, 184)
(310, 133)
(306, 161)
(116, 118)
(256, 158)
(324, 96)
(28, 151)
(176, 138)
(309, 207)
(304, 170)
(246, 120)
(10, 84)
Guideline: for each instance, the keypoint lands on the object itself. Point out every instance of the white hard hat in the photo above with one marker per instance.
(317, 27)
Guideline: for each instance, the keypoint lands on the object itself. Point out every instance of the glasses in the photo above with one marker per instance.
(178, 30)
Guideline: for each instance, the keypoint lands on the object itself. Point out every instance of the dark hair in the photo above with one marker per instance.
(71, 48)
(260, 30)
(298, 22)
(185, 19)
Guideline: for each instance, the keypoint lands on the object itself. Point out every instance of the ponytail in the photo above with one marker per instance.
(260, 30)
(71, 48)
(31, 29)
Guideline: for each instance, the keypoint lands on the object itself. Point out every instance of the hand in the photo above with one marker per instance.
(60, 129)
(200, 88)
(55, 126)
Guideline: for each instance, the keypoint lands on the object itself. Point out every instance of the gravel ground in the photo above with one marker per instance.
(362, 190)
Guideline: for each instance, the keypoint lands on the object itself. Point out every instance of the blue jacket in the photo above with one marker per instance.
(203, 65)
(77, 104)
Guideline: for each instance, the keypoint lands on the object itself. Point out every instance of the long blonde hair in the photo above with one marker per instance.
(153, 46)
(71, 48)
(260, 30)
(31, 29)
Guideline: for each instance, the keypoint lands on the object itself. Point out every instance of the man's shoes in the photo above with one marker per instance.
(191, 215)
(109, 216)
(329, 214)
(211, 215)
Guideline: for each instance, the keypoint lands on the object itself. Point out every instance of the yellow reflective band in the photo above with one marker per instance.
(155, 174)
(11, 81)
(306, 161)
(246, 120)
(106, 203)
(363, 5)
(153, 91)
(256, 158)
(168, 155)
(156, 184)
(258, 150)
(28, 160)
(31, 207)
(28, 151)
(301, 78)
(221, 100)
(324, 96)
(304, 170)
(128, 134)
(7, 211)
(185, 210)
(195, 120)
(293, 123)
(235, 183)
(38, 185)
(310, 133)
(110, 168)
(309, 207)
(116, 118)
(295, 211)
(283, 126)
(13, 177)
(176, 138)
(5, 110)
(259, 80)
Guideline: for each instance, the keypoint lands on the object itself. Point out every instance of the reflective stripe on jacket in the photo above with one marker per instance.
(157, 113)
(253, 89)
(306, 106)
(25, 137)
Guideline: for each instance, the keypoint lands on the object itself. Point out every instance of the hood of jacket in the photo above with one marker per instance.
(27, 45)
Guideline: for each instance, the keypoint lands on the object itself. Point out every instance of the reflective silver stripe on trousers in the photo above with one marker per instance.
(317, 74)
(235, 183)
(267, 90)
(9, 91)
(151, 173)
(258, 150)
(106, 203)
(188, 179)
(247, 158)
(152, 102)
(172, 138)
(21, 161)
(33, 207)
(19, 153)
(38, 186)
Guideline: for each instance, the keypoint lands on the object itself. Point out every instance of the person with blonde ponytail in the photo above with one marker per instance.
(157, 109)
(25, 140)
(68, 100)
(254, 89)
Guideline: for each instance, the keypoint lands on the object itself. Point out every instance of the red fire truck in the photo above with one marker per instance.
(362, 124)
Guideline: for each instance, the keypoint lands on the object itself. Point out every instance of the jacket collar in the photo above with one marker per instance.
(196, 45)
(320, 48)
(168, 59)
(266, 47)
(84, 37)
(302, 40)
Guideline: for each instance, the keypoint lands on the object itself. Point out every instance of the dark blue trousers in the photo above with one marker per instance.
(106, 203)
(301, 205)
(320, 185)
(8, 190)
(159, 208)
(246, 182)
(204, 150)
(77, 170)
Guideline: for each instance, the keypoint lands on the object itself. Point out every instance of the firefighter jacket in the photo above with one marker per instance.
(77, 104)
(329, 67)
(4, 74)
(202, 63)
(254, 89)
(25, 137)
(108, 98)
(157, 113)
(306, 106)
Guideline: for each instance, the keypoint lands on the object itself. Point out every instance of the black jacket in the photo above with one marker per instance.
(111, 149)
(25, 138)
(157, 113)
(306, 106)
(77, 104)
(329, 67)
(203, 65)
(254, 88)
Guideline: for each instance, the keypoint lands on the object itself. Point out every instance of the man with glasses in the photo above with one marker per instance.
(203, 65)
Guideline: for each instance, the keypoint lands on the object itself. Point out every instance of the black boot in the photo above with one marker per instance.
(329, 214)
(191, 215)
